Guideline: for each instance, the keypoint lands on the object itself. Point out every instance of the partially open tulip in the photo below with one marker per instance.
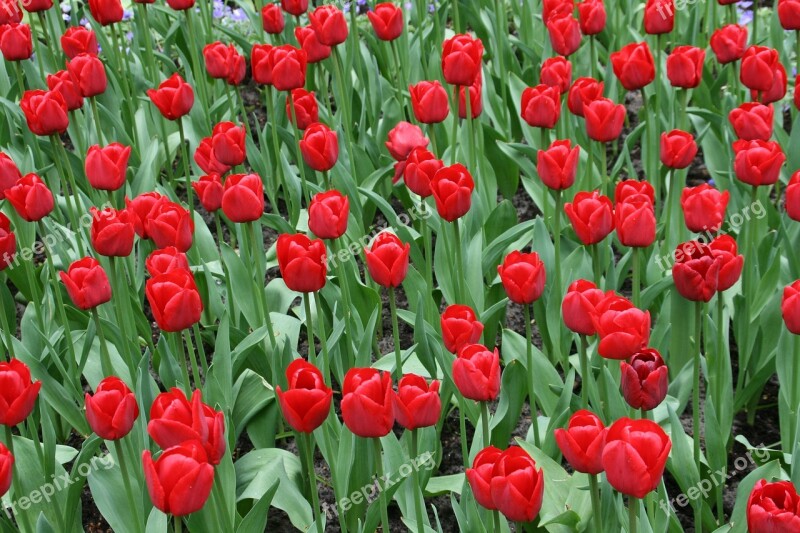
(565, 34)
(302, 262)
(174, 300)
(476, 373)
(579, 305)
(31, 198)
(583, 92)
(170, 224)
(623, 329)
(387, 260)
(790, 307)
(112, 410)
(460, 327)
(174, 98)
(421, 166)
(685, 66)
(180, 480)
(328, 213)
(591, 215)
(79, 40)
(659, 16)
(272, 19)
(557, 72)
(704, 207)
(729, 43)
(166, 260)
(320, 147)
(604, 119)
(45, 112)
(387, 21)
(758, 68)
(16, 43)
(306, 108)
(112, 232)
(17, 395)
(633, 65)
(634, 456)
(243, 198)
(773, 507)
(758, 162)
(558, 165)
(8, 243)
(523, 277)
(480, 476)
(174, 419)
(696, 271)
(582, 442)
(209, 191)
(678, 149)
(592, 16)
(367, 402)
(62, 82)
(517, 485)
(403, 138)
(315, 50)
(6, 469)
(724, 249)
(228, 143)
(417, 403)
(429, 102)
(752, 121)
(306, 402)
(644, 380)
(106, 167)
(89, 74)
(452, 189)
(206, 160)
(541, 106)
(462, 58)
(329, 23)
(86, 283)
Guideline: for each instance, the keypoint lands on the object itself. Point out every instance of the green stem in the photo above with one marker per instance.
(597, 267)
(148, 43)
(197, 70)
(276, 147)
(557, 242)
(636, 276)
(398, 355)
(323, 340)
(178, 524)
(419, 502)
(496, 521)
(201, 351)
(7, 329)
(299, 155)
(198, 383)
(462, 427)
(96, 116)
(487, 436)
(312, 356)
(470, 128)
(461, 284)
(593, 56)
(120, 291)
(345, 292)
(126, 479)
(15, 483)
(604, 170)
(633, 504)
(382, 495)
(186, 172)
(105, 358)
(454, 132)
(75, 194)
(312, 478)
(529, 367)
(696, 382)
(258, 280)
(596, 507)
(348, 119)
(755, 22)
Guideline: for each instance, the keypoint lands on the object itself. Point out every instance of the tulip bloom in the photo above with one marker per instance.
(583, 441)
(704, 207)
(634, 456)
(452, 189)
(475, 98)
(403, 138)
(387, 21)
(328, 213)
(9, 174)
(678, 149)
(169, 224)
(16, 43)
(330, 25)
(659, 16)
(166, 260)
(420, 169)
(295, 7)
(106, 12)
(206, 160)
(367, 404)
(556, 8)
(460, 327)
(142, 206)
(592, 16)
(604, 119)
(583, 92)
(541, 106)
(305, 106)
(758, 162)
(789, 14)
(792, 204)
(223, 62)
(758, 68)
(306, 402)
(31, 198)
(752, 121)
(89, 74)
(790, 307)
(776, 91)
(180, 480)
(417, 403)
(558, 165)
(35, 6)
(476, 373)
(228, 143)
(272, 19)
(644, 380)
(773, 507)
(302, 262)
(86, 283)
(8, 242)
(685, 66)
(462, 56)
(287, 66)
(729, 43)
(633, 65)
(630, 190)
(112, 410)
(591, 215)
(6, 469)
(523, 277)
(623, 329)
(209, 191)
(387, 260)
(320, 147)
(107, 167)
(62, 82)
(565, 34)
(260, 65)
(10, 13)
(315, 50)
(243, 198)
(635, 221)
(174, 98)
(79, 40)
(696, 271)
(45, 112)
(480, 476)
(17, 395)
(579, 305)
(429, 102)
(556, 72)
(174, 300)
(724, 249)
(517, 486)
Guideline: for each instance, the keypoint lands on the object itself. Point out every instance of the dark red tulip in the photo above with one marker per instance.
(174, 419)
(557, 72)
(523, 277)
(421, 166)
(773, 507)
(480, 476)
(272, 19)
(591, 215)
(306, 108)
(328, 213)
(582, 442)
(790, 307)
(180, 480)
(63, 83)
(367, 402)
(685, 66)
(320, 147)
(592, 16)
(633, 65)
(758, 68)
(659, 16)
(209, 191)
(306, 402)
(107, 167)
(517, 485)
(417, 403)
(86, 283)
(460, 327)
(558, 165)
(79, 40)
(462, 58)
(565, 34)
(165, 260)
(17, 395)
(541, 106)
(644, 380)
(387, 21)
(476, 373)
(623, 329)
(170, 224)
(723, 248)
(582, 93)
(15, 42)
(579, 305)
(729, 43)
(112, 410)
(696, 271)
(429, 102)
(243, 198)
(634, 456)
(752, 121)
(387, 260)
(329, 23)
(315, 50)
(452, 189)
(45, 112)
(678, 149)
(174, 97)
(303, 262)
(31, 198)
(704, 207)
(604, 119)
(206, 160)
(758, 162)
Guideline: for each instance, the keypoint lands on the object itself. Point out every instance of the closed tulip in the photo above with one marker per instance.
(634, 456)
(112, 410)
(165, 260)
(417, 403)
(9, 174)
(86, 283)
(303, 262)
(558, 165)
(8, 242)
(142, 206)
(633, 65)
(704, 207)
(452, 189)
(773, 507)
(6, 469)
(583, 92)
(315, 50)
(460, 327)
(45, 112)
(112, 232)
(174, 98)
(476, 373)
(623, 329)
(320, 147)
(107, 167)
(106, 12)
(556, 72)
(35, 6)
(403, 138)
(579, 305)
(367, 402)
(752, 121)
(604, 119)
(174, 419)
(644, 380)
(421, 166)
(724, 249)
(565, 34)
(243, 198)
(10, 13)
(17, 395)
(295, 7)
(523, 277)
(260, 64)
(181, 5)
(228, 143)
(758, 162)
(480, 476)
(31, 198)
(789, 14)
(776, 91)
(517, 485)
(582, 442)
(170, 224)
(89, 74)
(79, 40)
(180, 480)
(685, 66)
(659, 16)
(387, 260)
(329, 23)
(287, 65)
(429, 102)
(678, 149)
(328, 213)
(790, 307)
(174, 300)
(387, 21)
(591, 215)
(541, 106)
(758, 68)
(696, 271)
(15, 42)
(792, 204)
(221, 60)
(306, 402)
(306, 109)
(206, 160)
(556, 8)
(592, 16)
(631, 189)
(635, 222)
(62, 82)
(272, 19)
(729, 43)
(209, 191)
(462, 58)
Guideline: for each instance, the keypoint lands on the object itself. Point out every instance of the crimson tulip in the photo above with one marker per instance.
(228, 143)
(31, 198)
(165, 260)
(541, 106)
(106, 12)
(604, 119)
(776, 91)
(6, 469)
(79, 40)
(582, 442)
(36, 6)
(320, 147)
(107, 167)
(417, 403)
(659, 16)
(387, 21)
(752, 121)
(328, 213)
(272, 19)
(633, 65)
(295, 7)
(517, 485)
(623, 329)
(591, 215)
(462, 56)
(9, 174)
(45, 112)
(243, 198)
(773, 507)
(329, 23)
(558, 165)
(86, 283)
(112, 410)
(112, 232)
(287, 66)
(729, 43)
(303, 262)
(170, 224)
(174, 97)
(89, 74)
(790, 307)
(10, 13)
(260, 64)
(174, 300)
(180, 480)
(8, 243)
(209, 191)
(452, 189)
(678, 149)
(17, 395)
(583, 92)
(758, 68)
(704, 207)
(421, 166)
(429, 102)
(315, 50)
(592, 16)
(480, 476)
(635, 222)
(556, 72)
(696, 271)
(174, 419)
(403, 138)
(367, 402)
(685, 66)
(305, 106)
(792, 204)
(460, 327)
(758, 162)
(724, 249)
(387, 260)
(16, 43)
(634, 456)
(789, 14)
(206, 160)
(565, 34)
(579, 306)
(644, 379)
(62, 82)
(307, 400)
(523, 277)
(142, 206)
(476, 373)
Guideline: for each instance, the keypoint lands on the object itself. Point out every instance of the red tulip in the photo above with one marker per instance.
(206, 160)
(541, 106)
(558, 165)
(62, 82)
(165, 260)
(17, 395)
(758, 162)
(704, 207)
(659, 16)
(773, 507)
(685, 66)
(173, 98)
(462, 56)
(306, 402)
(35, 6)
(86, 283)
(429, 102)
(591, 215)
(723, 248)
(45, 112)
(303, 262)
(112, 410)
(417, 403)
(583, 92)
(789, 14)
(31, 198)
(517, 486)
(523, 277)
(243, 198)
(630, 190)
(696, 271)
(367, 405)
(557, 72)
(306, 108)
(792, 204)
(452, 189)
(89, 74)
(79, 40)
(328, 213)
(106, 12)
(173, 420)
(475, 98)
(476, 373)
(228, 143)
(790, 307)
(315, 50)
(633, 65)
(604, 119)
(9, 174)
(107, 167)
(579, 305)
(460, 327)
(387, 260)
(8, 242)
(776, 91)
(729, 43)
(635, 222)
(678, 149)
(170, 224)
(320, 147)
(583, 441)
(6, 469)
(752, 121)
(10, 13)
(15, 42)
(421, 166)
(142, 206)
(556, 8)
(758, 67)
(223, 62)
(387, 21)
(565, 34)
(260, 64)
(112, 232)
(181, 5)
(209, 192)
(480, 476)
(174, 300)
(403, 138)
(634, 456)
(644, 380)
(329, 23)
(180, 480)
(623, 329)
(592, 16)
(272, 19)
(287, 65)
(295, 7)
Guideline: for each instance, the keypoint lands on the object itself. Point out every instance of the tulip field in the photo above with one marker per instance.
(479, 266)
